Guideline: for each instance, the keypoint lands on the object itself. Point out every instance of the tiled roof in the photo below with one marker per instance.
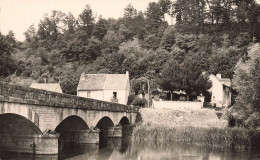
(92, 82)
(102, 81)
(53, 87)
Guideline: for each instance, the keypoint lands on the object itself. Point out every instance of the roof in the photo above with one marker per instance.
(53, 87)
(103, 81)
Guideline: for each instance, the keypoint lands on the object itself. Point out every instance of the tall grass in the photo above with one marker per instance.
(224, 137)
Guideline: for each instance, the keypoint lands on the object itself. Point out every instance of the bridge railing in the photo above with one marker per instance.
(21, 94)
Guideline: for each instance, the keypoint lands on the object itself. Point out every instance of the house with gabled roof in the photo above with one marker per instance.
(53, 87)
(220, 90)
(106, 87)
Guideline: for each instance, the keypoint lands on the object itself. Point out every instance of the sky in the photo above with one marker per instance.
(18, 15)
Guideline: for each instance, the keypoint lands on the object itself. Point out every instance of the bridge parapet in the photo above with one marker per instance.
(21, 94)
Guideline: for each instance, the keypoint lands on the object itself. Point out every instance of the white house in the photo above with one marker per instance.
(220, 90)
(53, 87)
(106, 87)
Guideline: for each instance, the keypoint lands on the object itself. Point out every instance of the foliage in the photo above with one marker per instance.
(86, 20)
(186, 76)
(141, 102)
(209, 36)
(246, 82)
(130, 99)
(233, 138)
(7, 63)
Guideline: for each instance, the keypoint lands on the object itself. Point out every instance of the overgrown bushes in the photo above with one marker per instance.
(141, 102)
(235, 138)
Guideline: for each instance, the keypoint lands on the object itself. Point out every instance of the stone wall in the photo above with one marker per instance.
(80, 136)
(178, 105)
(26, 95)
(37, 144)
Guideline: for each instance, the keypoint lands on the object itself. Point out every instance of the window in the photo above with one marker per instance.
(88, 94)
(115, 95)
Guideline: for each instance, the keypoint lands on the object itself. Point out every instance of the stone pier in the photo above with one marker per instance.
(33, 144)
(114, 132)
(87, 136)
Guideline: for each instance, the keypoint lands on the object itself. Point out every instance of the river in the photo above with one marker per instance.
(116, 149)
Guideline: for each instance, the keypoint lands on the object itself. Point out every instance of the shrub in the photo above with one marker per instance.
(163, 95)
(183, 98)
(141, 102)
(130, 99)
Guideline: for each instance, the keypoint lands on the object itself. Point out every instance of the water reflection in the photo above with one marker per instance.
(115, 148)
(13, 156)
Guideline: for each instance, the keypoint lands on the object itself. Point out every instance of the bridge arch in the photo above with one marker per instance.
(124, 121)
(72, 122)
(104, 123)
(22, 110)
(15, 124)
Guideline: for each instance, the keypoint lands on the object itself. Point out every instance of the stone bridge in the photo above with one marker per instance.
(29, 112)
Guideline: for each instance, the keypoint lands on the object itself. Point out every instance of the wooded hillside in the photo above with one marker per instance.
(209, 35)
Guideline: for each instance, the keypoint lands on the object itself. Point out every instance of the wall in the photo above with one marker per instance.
(97, 94)
(216, 90)
(226, 97)
(177, 105)
(220, 96)
(121, 96)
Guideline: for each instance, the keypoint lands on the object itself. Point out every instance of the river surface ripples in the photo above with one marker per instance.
(117, 149)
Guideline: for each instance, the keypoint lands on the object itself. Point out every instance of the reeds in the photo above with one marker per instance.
(223, 137)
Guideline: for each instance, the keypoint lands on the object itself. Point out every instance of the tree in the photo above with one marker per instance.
(133, 53)
(171, 76)
(31, 37)
(91, 51)
(194, 82)
(186, 76)
(151, 42)
(50, 27)
(70, 23)
(100, 28)
(86, 20)
(223, 60)
(165, 6)
(130, 12)
(168, 38)
(154, 17)
(133, 22)
(246, 81)
(111, 42)
(10, 38)
(7, 63)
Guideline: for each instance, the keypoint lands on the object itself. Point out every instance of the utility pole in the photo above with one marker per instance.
(148, 92)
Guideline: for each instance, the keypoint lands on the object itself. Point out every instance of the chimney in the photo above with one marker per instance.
(127, 75)
(45, 79)
(82, 76)
(218, 75)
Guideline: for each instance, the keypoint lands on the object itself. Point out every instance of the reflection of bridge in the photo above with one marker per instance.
(27, 113)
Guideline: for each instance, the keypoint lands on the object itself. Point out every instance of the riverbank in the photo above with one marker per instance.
(202, 127)
(204, 118)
